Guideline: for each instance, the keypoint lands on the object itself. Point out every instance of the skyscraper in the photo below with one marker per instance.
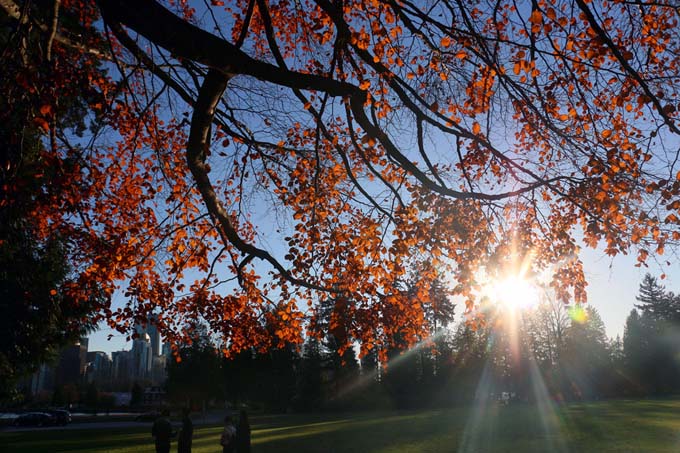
(152, 331)
(142, 357)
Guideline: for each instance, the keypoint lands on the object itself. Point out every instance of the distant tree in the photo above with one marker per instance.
(107, 401)
(370, 365)
(196, 376)
(586, 360)
(636, 350)
(471, 347)
(656, 302)
(91, 397)
(309, 393)
(58, 398)
(338, 355)
(616, 351)
(546, 327)
(439, 312)
(650, 340)
(620, 377)
(281, 376)
(136, 395)
(241, 378)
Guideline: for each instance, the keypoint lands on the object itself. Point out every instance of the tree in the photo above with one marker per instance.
(36, 274)
(546, 328)
(650, 339)
(91, 398)
(636, 348)
(196, 377)
(587, 362)
(136, 395)
(379, 133)
(656, 302)
(309, 394)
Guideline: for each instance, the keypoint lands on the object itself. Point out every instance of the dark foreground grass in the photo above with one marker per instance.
(613, 426)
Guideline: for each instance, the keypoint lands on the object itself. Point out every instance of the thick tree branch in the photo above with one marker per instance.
(209, 95)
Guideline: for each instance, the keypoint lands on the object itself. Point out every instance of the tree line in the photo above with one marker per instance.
(549, 351)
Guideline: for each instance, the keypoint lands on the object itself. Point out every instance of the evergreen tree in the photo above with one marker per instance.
(196, 377)
(309, 393)
(652, 347)
(656, 302)
(636, 350)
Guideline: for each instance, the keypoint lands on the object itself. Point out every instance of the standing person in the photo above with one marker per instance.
(228, 439)
(161, 430)
(186, 433)
(243, 433)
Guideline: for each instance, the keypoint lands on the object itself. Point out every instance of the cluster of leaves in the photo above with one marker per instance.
(308, 150)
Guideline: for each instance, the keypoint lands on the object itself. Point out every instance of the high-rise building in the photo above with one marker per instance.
(121, 368)
(152, 331)
(72, 364)
(167, 351)
(141, 357)
(99, 368)
(158, 370)
(42, 380)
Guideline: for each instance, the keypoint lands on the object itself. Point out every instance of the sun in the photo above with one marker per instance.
(515, 292)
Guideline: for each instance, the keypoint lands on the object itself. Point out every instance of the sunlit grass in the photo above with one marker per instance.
(613, 426)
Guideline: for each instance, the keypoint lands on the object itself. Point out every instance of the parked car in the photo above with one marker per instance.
(34, 419)
(60, 416)
(148, 416)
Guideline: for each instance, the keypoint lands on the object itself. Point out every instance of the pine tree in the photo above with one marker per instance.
(656, 302)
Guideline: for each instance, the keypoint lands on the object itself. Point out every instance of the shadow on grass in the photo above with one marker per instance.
(613, 426)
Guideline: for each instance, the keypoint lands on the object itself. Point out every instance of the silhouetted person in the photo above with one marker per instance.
(228, 439)
(162, 432)
(243, 433)
(186, 433)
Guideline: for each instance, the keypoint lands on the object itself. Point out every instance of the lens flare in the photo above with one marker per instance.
(578, 314)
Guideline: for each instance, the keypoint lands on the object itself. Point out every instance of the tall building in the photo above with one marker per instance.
(72, 364)
(158, 370)
(42, 380)
(142, 358)
(167, 351)
(99, 368)
(152, 331)
(121, 368)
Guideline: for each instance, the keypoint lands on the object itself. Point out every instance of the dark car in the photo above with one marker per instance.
(61, 417)
(34, 419)
(148, 416)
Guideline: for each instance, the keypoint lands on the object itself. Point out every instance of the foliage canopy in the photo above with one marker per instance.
(255, 156)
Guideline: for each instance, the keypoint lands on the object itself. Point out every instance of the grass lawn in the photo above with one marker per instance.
(614, 426)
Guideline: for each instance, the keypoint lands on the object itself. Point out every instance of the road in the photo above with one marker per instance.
(213, 418)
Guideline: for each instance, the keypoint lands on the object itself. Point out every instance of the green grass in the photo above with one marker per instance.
(614, 426)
